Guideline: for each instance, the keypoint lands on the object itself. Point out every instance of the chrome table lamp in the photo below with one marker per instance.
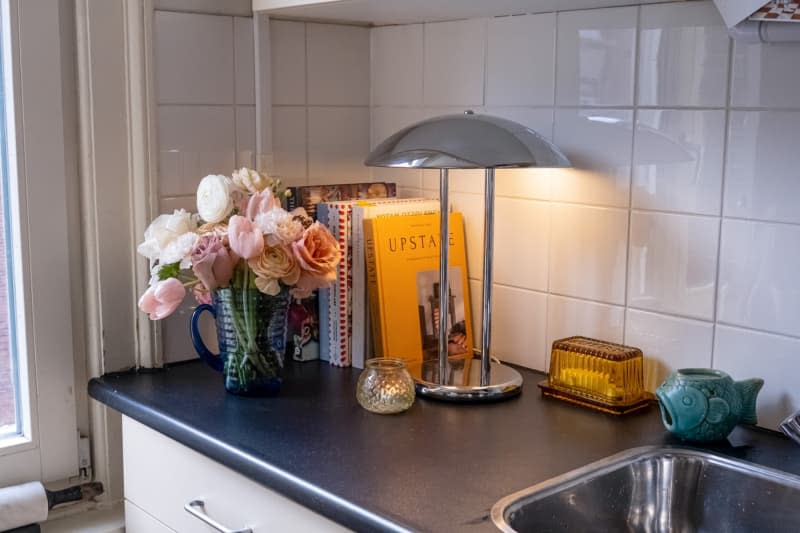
(467, 141)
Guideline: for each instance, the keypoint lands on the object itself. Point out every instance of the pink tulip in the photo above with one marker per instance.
(261, 202)
(162, 298)
(245, 238)
(211, 262)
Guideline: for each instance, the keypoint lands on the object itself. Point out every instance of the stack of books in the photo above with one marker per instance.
(385, 299)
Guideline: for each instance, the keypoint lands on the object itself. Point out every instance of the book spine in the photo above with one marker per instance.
(357, 340)
(341, 356)
(347, 311)
(333, 303)
(372, 288)
(291, 198)
(323, 299)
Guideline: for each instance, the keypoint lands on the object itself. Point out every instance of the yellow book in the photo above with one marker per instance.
(402, 255)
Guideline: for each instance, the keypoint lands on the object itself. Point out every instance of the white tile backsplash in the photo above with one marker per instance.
(762, 163)
(389, 120)
(338, 142)
(683, 55)
(518, 326)
(520, 60)
(454, 62)
(599, 143)
(522, 261)
(539, 119)
(748, 354)
(194, 141)
(568, 316)
(672, 263)
(397, 65)
(668, 343)
(758, 285)
(288, 62)
(244, 61)
(245, 136)
(289, 138)
(595, 56)
(202, 47)
(765, 75)
(338, 64)
(677, 160)
(587, 252)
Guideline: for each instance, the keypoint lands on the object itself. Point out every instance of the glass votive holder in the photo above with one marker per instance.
(385, 386)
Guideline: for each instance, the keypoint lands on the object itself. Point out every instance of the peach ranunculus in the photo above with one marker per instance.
(317, 253)
(276, 263)
(212, 263)
(279, 226)
(162, 298)
(245, 238)
(220, 229)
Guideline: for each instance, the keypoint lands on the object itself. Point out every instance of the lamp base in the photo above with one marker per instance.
(463, 383)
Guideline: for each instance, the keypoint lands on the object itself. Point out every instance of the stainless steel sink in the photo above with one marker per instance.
(655, 490)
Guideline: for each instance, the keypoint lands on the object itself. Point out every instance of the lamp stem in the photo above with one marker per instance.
(444, 277)
(488, 250)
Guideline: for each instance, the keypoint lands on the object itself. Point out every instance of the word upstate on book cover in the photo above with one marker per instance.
(403, 278)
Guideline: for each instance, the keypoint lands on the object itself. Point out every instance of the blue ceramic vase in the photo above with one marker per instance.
(251, 329)
(703, 405)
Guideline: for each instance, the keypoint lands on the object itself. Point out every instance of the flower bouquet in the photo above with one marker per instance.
(244, 258)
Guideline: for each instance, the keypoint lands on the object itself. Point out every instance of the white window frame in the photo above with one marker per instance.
(40, 160)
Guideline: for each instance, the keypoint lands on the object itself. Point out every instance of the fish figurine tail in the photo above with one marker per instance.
(749, 389)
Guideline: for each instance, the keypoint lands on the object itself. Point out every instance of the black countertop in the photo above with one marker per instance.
(437, 467)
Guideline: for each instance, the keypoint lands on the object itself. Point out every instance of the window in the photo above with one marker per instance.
(38, 437)
(13, 407)
(9, 401)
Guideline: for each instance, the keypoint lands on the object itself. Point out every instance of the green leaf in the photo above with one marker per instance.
(170, 270)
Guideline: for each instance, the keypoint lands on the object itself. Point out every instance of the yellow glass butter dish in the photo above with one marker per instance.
(601, 375)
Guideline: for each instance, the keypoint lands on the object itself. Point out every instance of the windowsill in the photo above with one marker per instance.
(95, 520)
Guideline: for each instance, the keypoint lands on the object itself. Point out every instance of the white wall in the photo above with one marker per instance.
(678, 231)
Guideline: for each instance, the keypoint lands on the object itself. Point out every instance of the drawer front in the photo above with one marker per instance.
(162, 475)
(137, 521)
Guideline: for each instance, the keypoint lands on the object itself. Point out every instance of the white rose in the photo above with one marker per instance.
(163, 230)
(179, 249)
(250, 180)
(214, 201)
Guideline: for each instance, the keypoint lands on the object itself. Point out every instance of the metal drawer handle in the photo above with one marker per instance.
(196, 508)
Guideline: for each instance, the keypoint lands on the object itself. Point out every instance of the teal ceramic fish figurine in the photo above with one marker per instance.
(701, 404)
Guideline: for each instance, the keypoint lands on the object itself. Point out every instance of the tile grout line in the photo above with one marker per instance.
(549, 200)
(726, 133)
(234, 106)
(634, 118)
(305, 104)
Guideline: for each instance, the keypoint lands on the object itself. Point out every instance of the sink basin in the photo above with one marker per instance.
(655, 490)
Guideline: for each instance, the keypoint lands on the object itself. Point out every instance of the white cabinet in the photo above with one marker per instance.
(138, 521)
(162, 475)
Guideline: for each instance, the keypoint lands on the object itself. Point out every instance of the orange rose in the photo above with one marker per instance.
(317, 253)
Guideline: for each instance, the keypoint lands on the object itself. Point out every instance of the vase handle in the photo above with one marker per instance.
(213, 360)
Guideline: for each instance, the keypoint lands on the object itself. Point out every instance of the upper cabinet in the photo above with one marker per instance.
(387, 12)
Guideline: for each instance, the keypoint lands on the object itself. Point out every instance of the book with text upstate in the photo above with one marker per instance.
(402, 254)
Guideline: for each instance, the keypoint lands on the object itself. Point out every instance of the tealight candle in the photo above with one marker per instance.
(385, 386)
